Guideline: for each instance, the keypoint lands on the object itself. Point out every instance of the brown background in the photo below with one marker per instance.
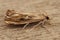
(52, 7)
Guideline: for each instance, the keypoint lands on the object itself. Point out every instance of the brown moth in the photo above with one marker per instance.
(12, 17)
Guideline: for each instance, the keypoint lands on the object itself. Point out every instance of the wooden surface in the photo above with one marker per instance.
(52, 7)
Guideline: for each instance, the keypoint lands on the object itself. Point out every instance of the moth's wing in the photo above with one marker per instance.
(10, 12)
(22, 22)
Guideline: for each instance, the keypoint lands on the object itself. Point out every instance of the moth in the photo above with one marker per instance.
(14, 18)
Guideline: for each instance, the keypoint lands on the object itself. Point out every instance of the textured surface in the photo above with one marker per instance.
(52, 7)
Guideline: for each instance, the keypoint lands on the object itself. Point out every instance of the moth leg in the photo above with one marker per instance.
(40, 22)
(25, 25)
(37, 25)
(43, 26)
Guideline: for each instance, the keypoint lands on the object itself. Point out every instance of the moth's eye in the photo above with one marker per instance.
(47, 18)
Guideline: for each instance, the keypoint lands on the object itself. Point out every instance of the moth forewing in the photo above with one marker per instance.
(12, 17)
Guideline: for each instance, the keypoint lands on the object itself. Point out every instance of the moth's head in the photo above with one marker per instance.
(46, 16)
